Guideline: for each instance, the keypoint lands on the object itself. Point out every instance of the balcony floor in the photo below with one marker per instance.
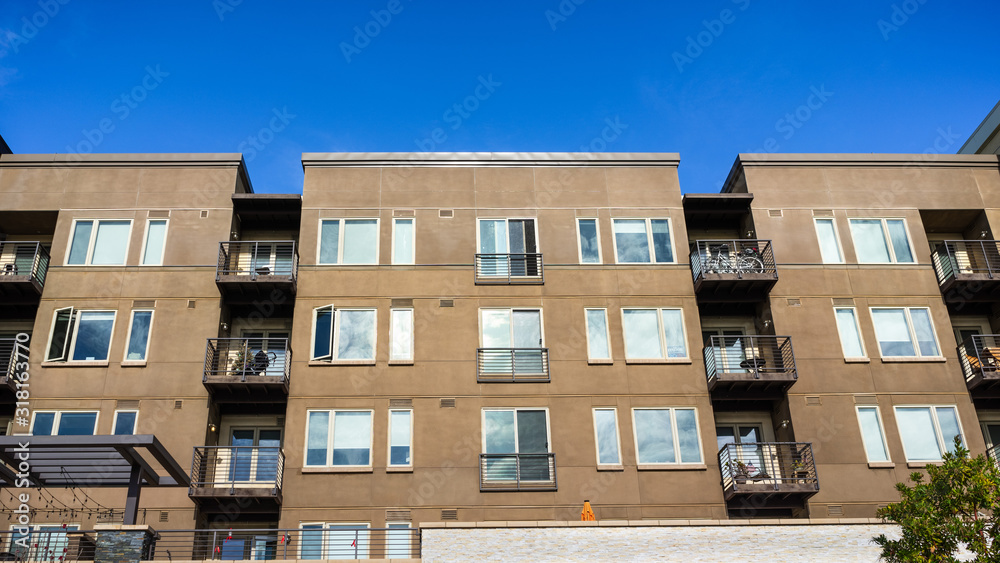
(717, 288)
(245, 289)
(247, 499)
(19, 289)
(254, 389)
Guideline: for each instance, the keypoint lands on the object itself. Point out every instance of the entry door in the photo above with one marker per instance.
(519, 329)
(750, 452)
(272, 344)
(729, 356)
(516, 431)
(991, 432)
(254, 455)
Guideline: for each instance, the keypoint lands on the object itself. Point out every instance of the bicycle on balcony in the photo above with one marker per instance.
(745, 261)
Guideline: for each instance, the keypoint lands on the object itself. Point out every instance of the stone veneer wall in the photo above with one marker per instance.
(774, 541)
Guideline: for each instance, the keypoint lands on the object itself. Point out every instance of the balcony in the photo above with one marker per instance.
(775, 473)
(23, 266)
(967, 270)
(749, 367)
(9, 358)
(979, 357)
(220, 474)
(509, 269)
(512, 365)
(247, 370)
(256, 269)
(732, 270)
(517, 472)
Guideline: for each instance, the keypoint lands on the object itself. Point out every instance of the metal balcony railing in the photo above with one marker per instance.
(994, 454)
(8, 356)
(733, 258)
(756, 467)
(761, 357)
(509, 269)
(229, 468)
(979, 259)
(260, 258)
(248, 358)
(23, 261)
(517, 472)
(979, 356)
(512, 365)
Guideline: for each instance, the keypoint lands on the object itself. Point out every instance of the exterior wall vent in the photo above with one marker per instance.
(822, 213)
(447, 302)
(158, 214)
(794, 302)
(447, 403)
(401, 303)
(865, 400)
(178, 404)
(280, 421)
(400, 402)
(191, 303)
(402, 213)
(446, 213)
(775, 213)
(843, 302)
(204, 213)
(835, 509)
(144, 303)
(127, 404)
(449, 514)
(164, 516)
(813, 401)
(398, 515)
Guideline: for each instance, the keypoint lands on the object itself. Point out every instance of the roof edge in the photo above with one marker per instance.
(124, 159)
(866, 159)
(371, 159)
(985, 132)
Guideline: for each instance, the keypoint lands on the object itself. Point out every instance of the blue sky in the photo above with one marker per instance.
(705, 79)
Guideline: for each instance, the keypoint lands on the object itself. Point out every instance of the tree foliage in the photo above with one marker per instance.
(957, 506)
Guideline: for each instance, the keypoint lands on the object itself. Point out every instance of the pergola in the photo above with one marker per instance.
(131, 462)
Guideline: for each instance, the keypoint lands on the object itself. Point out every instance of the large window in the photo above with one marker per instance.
(80, 336)
(401, 335)
(516, 441)
(338, 438)
(124, 422)
(928, 431)
(138, 335)
(652, 334)
(606, 436)
(512, 339)
(64, 423)
(850, 334)
(348, 241)
(99, 243)
(402, 240)
(333, 540)
(590, 241)
(639, 241)
(905, 332)
(829, 242)
(507, 248)
(400, 438)
(346, 335)
(872, 434)
(152, 246)
(881, 241)
(598, 342)
(666, 436)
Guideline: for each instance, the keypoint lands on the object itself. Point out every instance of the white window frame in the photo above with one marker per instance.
(857, 327)
(58, 418)
(413, 250)
(71, 337)
(93, 240)
(649, 239)
(597, 441)
(881, 425)
(342, 227)
(942, 444)
(388, 445)
(392, 335)
(579, 242)
(135, 423)
(887, 239)
(128, 336)
(331, 423)
(325, 543)
(913, 334)
(662, 333)
(607, 336)
(541, 322)
(335, 336)
(836, 239)
(676, 436)
(548, 426)
(145, 235)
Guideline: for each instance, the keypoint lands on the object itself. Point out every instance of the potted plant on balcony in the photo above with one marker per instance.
(800, 469)
(741, 473)
(241, 364)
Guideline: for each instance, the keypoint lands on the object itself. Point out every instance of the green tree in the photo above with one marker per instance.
(958, 505)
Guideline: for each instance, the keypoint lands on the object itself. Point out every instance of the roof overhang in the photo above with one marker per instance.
(268, 211)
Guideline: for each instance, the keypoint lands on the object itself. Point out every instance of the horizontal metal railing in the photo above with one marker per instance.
(258, 258)
(734, 257)
(966, 257)
(774, 464)
(509, 268)
(9, 356)
(994, 454)
(749, 354)
(228, 544)
(979, 356)
(512, 365)
(23, 259)
(237, 467)
(248, 358)
(517, 472)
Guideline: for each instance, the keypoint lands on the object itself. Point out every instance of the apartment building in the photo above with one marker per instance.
(502, 336)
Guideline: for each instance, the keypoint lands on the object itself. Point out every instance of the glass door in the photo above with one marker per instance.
(747, 460)
(516, 330)
(517, 432)
(255, 453)
(493, 242)
(991, 432)
(522, 243)
(266, 352)
(729, 354)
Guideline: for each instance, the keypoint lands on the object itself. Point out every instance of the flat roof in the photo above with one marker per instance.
(347, 159)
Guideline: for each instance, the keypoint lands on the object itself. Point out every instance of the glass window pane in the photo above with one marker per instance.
(892, 332)
(81, 242)
(402, 253)
(62, 326)
(111, 241)
(607, 436)
(399, 544)
(673, 328)
(850, 338)
(77, 423)
(654, 436)
(829, 248)
(496, 328)
(589, 250)
(631, 241)
(356, 335)
(125, 423)
(324, 331)
(352, 438)
(93, 335)
(532, 432)
(360, 241)
(311, 544)
(139, 336)
(402, 334)
(42, 426)
(499, 429)
(527, 329)
(948, 421)
(900, 242)
(493, 236)
(329, 242)
(687, 436)
(155, 233)
(642, 334)
(347, 541)
(924, 330)
(661, 240)
(916, 428)
(869, 241)
(399, 437)
(871, 432)
(597, 334)
(317, 437)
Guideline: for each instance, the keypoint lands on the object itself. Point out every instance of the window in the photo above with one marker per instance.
(99, 243)
(398, 541)
(881, 241)
(338, 438)
(829, 242)
(343, 334)
(507, 248)
(606, 435)
(666, 436)
(590, 244)
(138, 335)
(598, 342)
(850, 334)
(654, 334)
(334, 540)
(401, 335)
(402, 241)
(928, 431)
(511, 341)
(516, 444)
(400, 438)
(635, 237)
(872, 434)
(905, 332)
(348, 241)
(64, 423)
(124, 423)
(156, 238)
(47, 541)
(80, 336)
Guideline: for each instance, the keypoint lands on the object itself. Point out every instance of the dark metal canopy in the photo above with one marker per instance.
(714, 210)
(268, 211)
